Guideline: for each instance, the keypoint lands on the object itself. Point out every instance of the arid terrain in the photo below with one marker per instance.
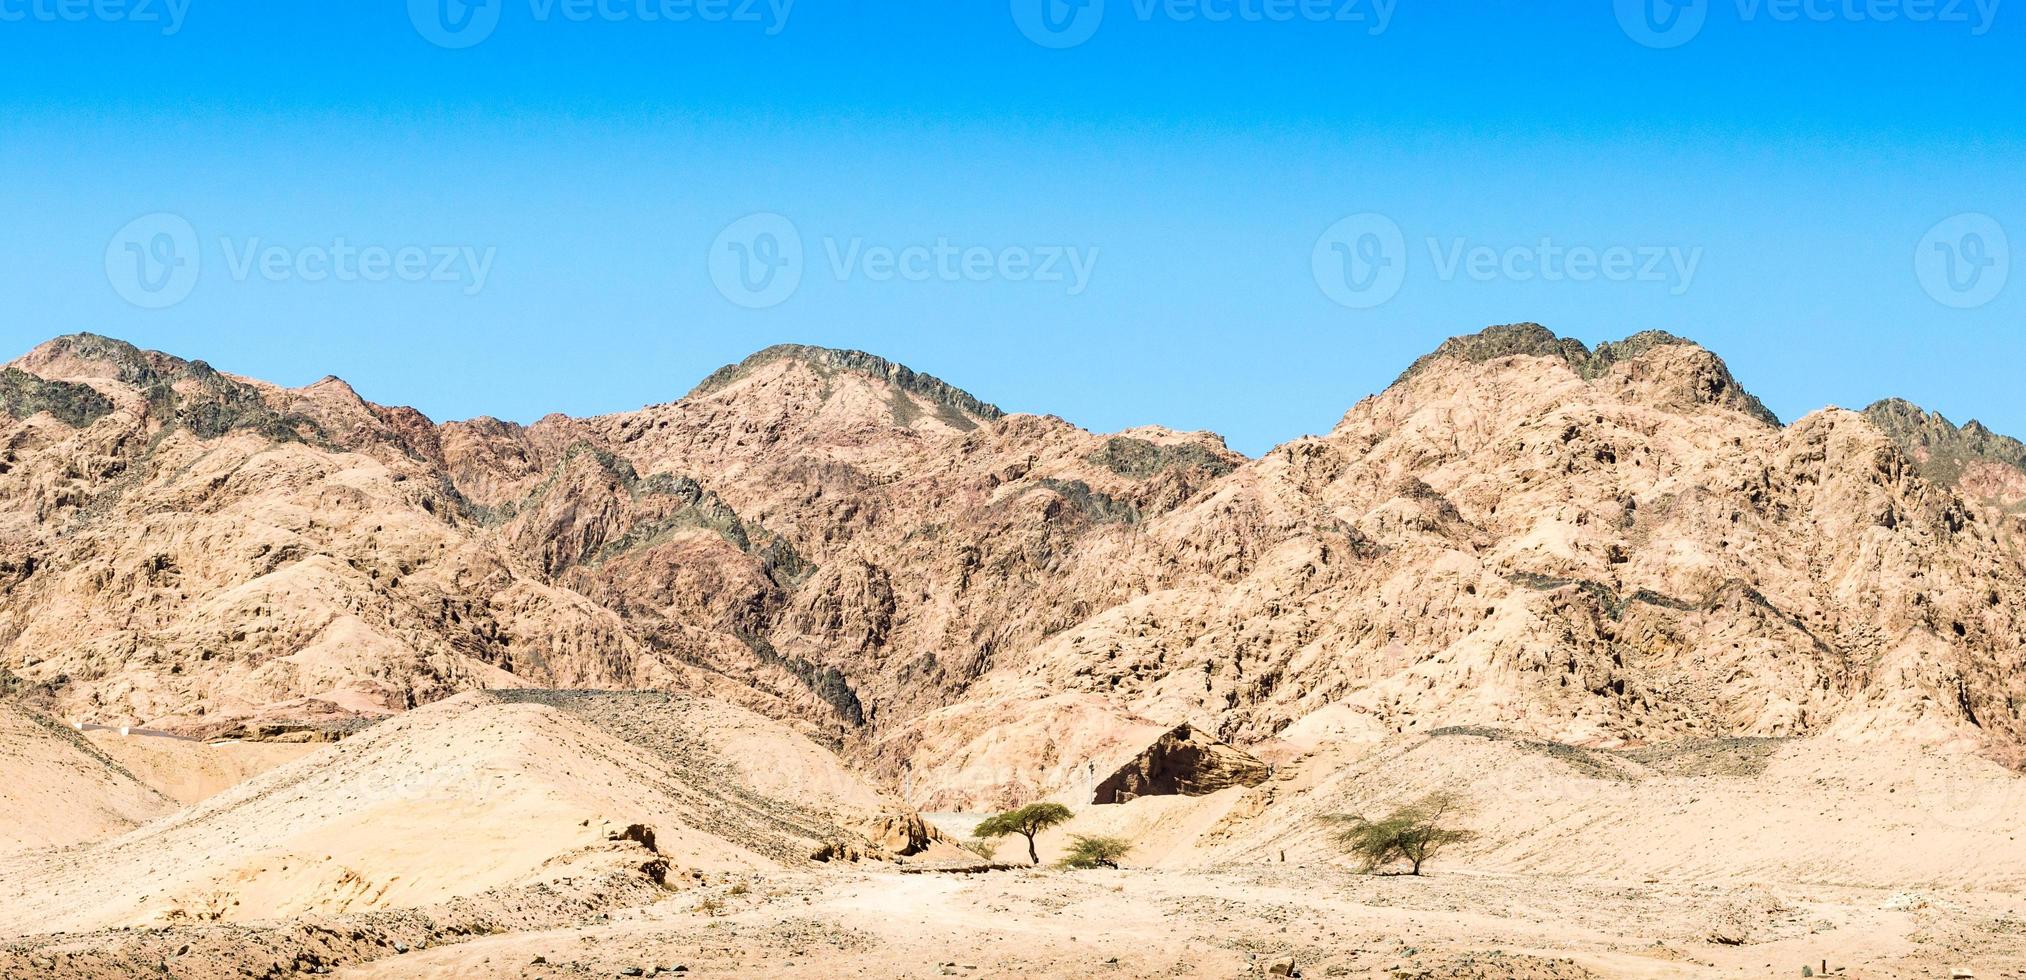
(720, 686)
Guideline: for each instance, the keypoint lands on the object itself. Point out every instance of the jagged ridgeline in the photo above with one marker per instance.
(180, 394)
(842, 542)
(1515, 339)
(954, 405)
(1947, 453)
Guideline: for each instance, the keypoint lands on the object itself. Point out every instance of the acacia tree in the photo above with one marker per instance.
(1412, 833)
(1026, 821)
(1096, 852)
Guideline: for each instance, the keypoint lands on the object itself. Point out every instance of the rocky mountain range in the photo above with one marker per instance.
(1610, 547)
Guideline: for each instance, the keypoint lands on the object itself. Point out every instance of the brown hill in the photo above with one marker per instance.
(1610, 547)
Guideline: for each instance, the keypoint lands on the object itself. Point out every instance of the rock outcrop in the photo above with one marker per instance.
(1183, 762)
(1982, 464)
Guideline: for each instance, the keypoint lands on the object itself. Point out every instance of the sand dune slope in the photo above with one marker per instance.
(484, 791)
(189, 771)
(1880, 815)
(60, 790)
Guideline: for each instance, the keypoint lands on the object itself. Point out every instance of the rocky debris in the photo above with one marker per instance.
(1496, 965)
(1182, 762)
(849, 851)
(893, 836)
(1752, 917)
(317, 944)
(637, 833)
(308, 720)
(1139, 458)
(76, 405)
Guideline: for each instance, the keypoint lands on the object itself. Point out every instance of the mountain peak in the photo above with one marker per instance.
(826, 361)
(90, 355)
(1511, 339)
(1516, 339)
(1945, 452)
(1503, 340)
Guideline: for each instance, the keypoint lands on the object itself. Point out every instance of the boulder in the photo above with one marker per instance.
(1183, 762)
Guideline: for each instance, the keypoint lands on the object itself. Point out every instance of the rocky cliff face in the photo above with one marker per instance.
(1605, 546)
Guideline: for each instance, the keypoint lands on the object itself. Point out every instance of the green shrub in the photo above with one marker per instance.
(1096, 852)
(1412, 833)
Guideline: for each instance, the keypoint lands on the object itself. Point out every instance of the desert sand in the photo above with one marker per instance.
(56, 788)
(491, 838)
(723, 684)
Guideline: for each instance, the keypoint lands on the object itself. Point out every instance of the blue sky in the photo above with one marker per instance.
(1137, 228)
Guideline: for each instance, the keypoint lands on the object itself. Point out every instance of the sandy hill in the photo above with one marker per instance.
(187, 770)
(1609, 546)
(1814, 810)
(57, 789)
(484, 791)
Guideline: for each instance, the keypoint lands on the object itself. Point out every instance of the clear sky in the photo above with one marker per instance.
(1126, 213)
